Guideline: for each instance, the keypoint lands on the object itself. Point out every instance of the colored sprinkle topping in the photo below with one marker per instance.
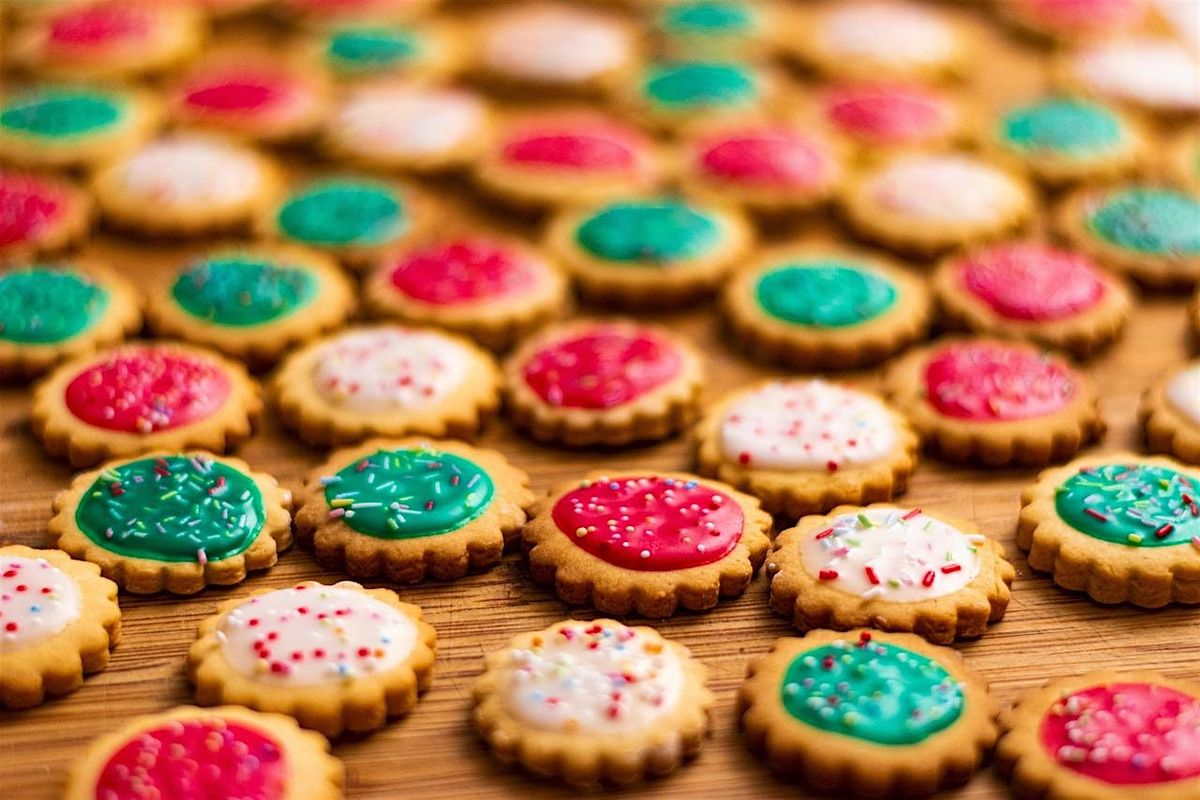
(986, 382)
(700, 85)
(343, 213)
(29, 207)
(1031, 281)
(37, 600)
(62, 113)
(824, 293)
(366, 50)
(241, 291)
(649, 233)
(465, 270)
(1155, 221)
(1134, 504)
(41, 305)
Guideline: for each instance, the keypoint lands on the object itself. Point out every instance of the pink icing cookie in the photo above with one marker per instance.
(769, 156)
(28, 207)
(889, 114)
(584, 147)
(244, 94)
(1028, 281)
(101, 25)
(601, 368)
(1074, 17)
(464, 270)
(994, 382)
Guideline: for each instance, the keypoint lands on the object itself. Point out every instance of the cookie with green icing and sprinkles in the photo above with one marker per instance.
(671, 93)
(173, 521)
(368, 52)
(867, 714)
(410, 509)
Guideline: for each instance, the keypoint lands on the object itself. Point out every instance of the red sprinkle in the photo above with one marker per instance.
(871, 576)
(928, 579)
(831, 466)
(825, 533)
(1164, 531)
(949, 568)
(916, 512)
(1093, 513)
(827, 574)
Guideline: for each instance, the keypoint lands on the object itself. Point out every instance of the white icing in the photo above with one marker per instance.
(389, 369)
(186, 171)
(950, 188)
(806, 425)
(555, 44)
(900, 553)
(1184, 392)
(623, 684)
(1157, 72)
(37, 600)
(309, 635)
(888, 33)
(409, 121)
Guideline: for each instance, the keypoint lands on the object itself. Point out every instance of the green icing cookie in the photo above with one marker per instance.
(1071, 128)
(175, 508)
(1156, 221)
(344, 212)
(1137, 505)
(708, 18)
(407, 494)
(239, 292)
(652, 231)
(872, 691)
(700, 84)
(39, 305)
(824, 294)
(62, 113)
(359, 50)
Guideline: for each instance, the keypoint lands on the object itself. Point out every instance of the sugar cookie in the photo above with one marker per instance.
(670, 94)
(722, 28)
(423, 50)
(1170, 413)
(884, 116)
(1073, 21)
(40, 214)
(1157, 74)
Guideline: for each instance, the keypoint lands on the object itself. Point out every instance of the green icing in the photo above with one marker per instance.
(62, 113)
(824, 294)
(872, 691)
(708, 18)
(342, 212)
(176, 508)
(1155, 221)
(649, 231)
(700, 84)
(241, 291)
(371, 49)
(40, 305)
(1074, 128)
(407, 494)
(1137, 505)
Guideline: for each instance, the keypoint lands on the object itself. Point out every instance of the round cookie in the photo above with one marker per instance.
(328, 14)
(1073, 21)
(40, 214)
(884, 116)
(669, 95)
(1170, 413)
(1156, 74)
(367, 52)
(720, 28)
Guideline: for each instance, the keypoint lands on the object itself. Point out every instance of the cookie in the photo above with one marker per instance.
(61, 127)
(1072, 21)
(140, 397)
(254, 303)
(1150, 233)
(824, 306)
(1170, 413)
(869, 714)
(410, 509)
(40, 214)
(593, 703)
(994, 402)
(326, 14)
(1026, 289)
(646, 543)
(803, 446)
(648, 252)
(612, 382)
(1121, 527)
(337, 658)
(184, 185)
(1184, 165)
(386, 380)
(404, 127)
(58, 621)
(367, 52)
(1106, 736)
(720, 28)
(884, 116)
(174, 521)
(491, 288)
(1151, 73)
(892, 568)
(668, 95)
(211, 752)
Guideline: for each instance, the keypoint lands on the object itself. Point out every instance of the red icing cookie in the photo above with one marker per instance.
(775, 157)
(994, 382)
(601, 368)
(1028, 281)
(101, 25)
(593, 150)
(463, 271)
(888, 114)
(243, 92)
(28, 207)
(1070, 18)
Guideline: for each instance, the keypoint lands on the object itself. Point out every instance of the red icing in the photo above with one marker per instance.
(208, 759)
(582, 146)
(1032, 282)
(888, 114)
(1071, 16)
(996, 382)
(28, 206)
(774, 157)
(100, 25)
(1126, 733)
(142, 390)
(462, 271)
(238, 92)
(651, 523)
(601, 368)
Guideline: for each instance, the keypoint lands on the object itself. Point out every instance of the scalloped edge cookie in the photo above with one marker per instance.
(71, 228)
(1167, 430)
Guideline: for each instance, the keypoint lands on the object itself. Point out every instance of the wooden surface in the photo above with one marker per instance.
(434, 752)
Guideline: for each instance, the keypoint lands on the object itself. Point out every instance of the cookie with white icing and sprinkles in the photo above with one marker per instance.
(804, 446)
(889, 567)
(995, 402)
(872, 714)
(367, 52)
(58, 621)
(1183, 166)
(720, 28)
(823, 306)
(1123, 528)
(253, 303)
(673, 94)
(1026, 289)
(173, 521)
(387, 380)
(646, 543)
(1105, 736)
(325, 14)
(1151, 73)
(1073, 21)
(593, 703)
(1170, 413)
(144, 396)
(337, 658)
(40, 214)
(1150, 233)
(489, 287)
(412, 509)
(610, 382)
(881, 116)
(648, 252)
(190, 752)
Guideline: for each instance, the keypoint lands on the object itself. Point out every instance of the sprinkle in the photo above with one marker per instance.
(916, 512)
(828, 574)
(1164, 531)
(1094, 514)
(927, 581)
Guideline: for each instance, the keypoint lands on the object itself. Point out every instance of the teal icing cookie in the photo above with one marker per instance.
(1069, 128)
(708, 18)
(344, 212)
(54, 115)
(651, 231)
(824, 294)
(42, 305)
(1148, 220)
(372, 50)
(701, 85)
(244, 291)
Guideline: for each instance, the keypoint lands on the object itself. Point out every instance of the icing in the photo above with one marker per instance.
(1148, 220)
(649, 232)
(592, 679)
(102, 26)
(889, 114)
(312, 635)
(1140, 505)
(1064, 128)
(888, 33)
(708, 18)
(824, 293)
(37, 600)
(466, 270)
(650, 524)
(949, 188)
(595, 145)
(185, 171)
(985, 382)
(241, 90)
(241, 291)
(766, 157)
(173, 508)
(344, 212)
(1125, 734)
(40, 305)
(148, 389)
(1183, 392)
(555, 44)
(366, 50)
(806, 425)
(29, 207)
(60, 113)
(409, 121)
(1157, 72)
(1031, 282)
(873, 691)
(602, 367)
(389, 369)
(1069, 17)
(408, 494)
(701, 84)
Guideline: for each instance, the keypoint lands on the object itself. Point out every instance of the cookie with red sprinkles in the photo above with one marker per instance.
(1170, 413)
(40, 214)
(593, 703)
(646, 543)
(338, 658)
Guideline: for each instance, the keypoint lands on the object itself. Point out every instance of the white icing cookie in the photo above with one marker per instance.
(1183, 392)
(189, 171)
(554, 45)
(950, 188)
(1155, 72)
(888, 33)
(408, 121)
(37, 600)
(385, 370)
